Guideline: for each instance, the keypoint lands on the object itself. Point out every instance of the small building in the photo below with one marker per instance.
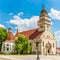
(8, 44)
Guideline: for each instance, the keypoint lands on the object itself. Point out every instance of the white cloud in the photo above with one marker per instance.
(16, 17)
(20, 13)
(2, 26)
(57, 35)
(24, 24)
(54, 14)
(51, 23)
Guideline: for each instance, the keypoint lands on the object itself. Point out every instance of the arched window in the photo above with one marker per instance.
(7, 49)
(7, 44)
(3, 46)
(43, 43)
(53, 45)
(41, 26)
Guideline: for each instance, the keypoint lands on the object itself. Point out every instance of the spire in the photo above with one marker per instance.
(43, 6)
(17, 30)
(43, 9)
(44, 12)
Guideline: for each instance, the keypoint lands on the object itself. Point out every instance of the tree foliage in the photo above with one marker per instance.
(22, 45)
(3, 35)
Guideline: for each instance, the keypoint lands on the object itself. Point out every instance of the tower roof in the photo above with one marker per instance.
(44, 12)
(9, 29)
(10, 36)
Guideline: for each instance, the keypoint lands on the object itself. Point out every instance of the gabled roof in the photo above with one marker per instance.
(31, 34)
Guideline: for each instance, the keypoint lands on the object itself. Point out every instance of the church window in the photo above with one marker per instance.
(41, 26)
(4, 47)
(10, 45)
(7, 49)
(53, 44)
(13, 46)
(7, 44)
(43, 44)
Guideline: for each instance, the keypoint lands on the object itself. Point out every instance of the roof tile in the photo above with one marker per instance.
(31, 34)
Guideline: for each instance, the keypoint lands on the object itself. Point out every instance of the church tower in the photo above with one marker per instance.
(48, 44)
(44, 22)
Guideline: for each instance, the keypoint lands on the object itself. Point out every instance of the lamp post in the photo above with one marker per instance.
(37, 42)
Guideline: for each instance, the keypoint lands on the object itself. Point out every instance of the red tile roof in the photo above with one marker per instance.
(31, 34)
(58, 48)
(10, 37)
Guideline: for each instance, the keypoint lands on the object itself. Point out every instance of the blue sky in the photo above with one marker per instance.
(23, 14)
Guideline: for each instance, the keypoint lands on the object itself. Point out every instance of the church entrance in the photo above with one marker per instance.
(48, 48)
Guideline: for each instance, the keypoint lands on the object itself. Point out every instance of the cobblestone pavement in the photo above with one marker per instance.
(28, 57)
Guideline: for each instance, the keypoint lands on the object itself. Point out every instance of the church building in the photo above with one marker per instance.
(43, 34)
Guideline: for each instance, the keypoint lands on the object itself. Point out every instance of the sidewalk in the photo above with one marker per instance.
(27, 57)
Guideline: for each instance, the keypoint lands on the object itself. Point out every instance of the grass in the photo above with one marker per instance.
(15, 54)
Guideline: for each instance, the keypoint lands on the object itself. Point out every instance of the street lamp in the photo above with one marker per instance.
(37, 42)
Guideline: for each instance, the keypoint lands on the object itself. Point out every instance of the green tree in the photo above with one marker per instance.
(18, 46)
(3, 35)
(22, 45)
